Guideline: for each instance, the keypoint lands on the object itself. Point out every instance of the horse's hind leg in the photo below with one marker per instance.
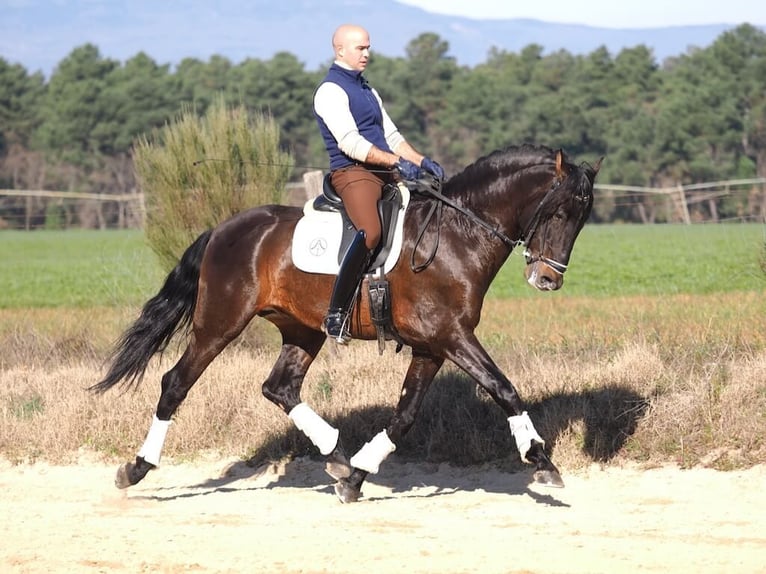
(202, 349)
(421, 372)
(300, 347)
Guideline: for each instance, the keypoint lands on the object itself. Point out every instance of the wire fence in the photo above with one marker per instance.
(718, 201)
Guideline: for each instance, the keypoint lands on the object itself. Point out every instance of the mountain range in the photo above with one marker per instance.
(38, 34)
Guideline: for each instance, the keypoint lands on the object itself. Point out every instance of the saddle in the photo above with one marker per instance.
(389, 206)
(325, 231)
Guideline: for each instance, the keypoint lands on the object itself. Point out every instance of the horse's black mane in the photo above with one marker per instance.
(508, 160)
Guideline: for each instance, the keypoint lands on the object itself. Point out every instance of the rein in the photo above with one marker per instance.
(433, 189)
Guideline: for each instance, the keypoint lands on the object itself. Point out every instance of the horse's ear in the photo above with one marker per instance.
(560, 164)
(598, 165)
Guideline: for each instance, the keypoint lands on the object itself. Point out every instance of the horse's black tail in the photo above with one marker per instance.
(164, 315)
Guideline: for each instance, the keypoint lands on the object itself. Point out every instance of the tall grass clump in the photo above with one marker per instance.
(198, 171)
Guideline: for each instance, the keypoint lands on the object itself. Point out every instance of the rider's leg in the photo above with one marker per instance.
(352, 268)
(360, 191)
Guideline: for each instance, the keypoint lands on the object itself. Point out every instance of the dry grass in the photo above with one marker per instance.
(653, 380)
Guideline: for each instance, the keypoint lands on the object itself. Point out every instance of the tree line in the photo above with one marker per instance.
(700, 116)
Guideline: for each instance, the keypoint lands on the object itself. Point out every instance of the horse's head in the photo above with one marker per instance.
(554, 222)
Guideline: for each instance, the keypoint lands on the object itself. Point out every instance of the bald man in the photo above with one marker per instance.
(366, 150)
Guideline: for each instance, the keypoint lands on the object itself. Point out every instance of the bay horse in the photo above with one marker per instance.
(526, 196)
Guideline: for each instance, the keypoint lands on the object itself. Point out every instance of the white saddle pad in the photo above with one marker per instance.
(317, 238)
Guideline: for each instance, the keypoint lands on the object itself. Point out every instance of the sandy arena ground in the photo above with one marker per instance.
(221, 516)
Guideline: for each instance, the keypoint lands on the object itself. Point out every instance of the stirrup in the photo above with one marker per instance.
(334, 326)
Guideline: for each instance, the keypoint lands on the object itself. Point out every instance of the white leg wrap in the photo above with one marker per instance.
(523, 431)
(152, 448)
(373, 453)
(319, 431)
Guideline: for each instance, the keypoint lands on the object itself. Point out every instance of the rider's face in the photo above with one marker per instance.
(355, 51)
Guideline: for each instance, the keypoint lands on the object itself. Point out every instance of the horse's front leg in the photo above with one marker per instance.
(474, 360)
(421, 372)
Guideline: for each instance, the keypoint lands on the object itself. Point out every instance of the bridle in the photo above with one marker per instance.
(534, 223)
(529, 233)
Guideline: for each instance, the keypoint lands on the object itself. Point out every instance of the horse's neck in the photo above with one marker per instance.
(495, 208)
(489, 249)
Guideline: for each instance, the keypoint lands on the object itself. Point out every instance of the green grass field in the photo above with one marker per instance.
(613, 260)
(116, 268)
(76, 269)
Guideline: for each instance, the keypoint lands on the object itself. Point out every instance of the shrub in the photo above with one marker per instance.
(198, 171)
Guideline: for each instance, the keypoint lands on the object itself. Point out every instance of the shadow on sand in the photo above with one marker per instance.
(609, 415)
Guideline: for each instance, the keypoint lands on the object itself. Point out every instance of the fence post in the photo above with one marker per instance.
(762, 197)
(683, 206)
(312, 183)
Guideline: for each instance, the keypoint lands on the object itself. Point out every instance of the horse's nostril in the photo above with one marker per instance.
(547, 283)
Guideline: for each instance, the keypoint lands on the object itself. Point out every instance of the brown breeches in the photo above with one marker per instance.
(360, 190)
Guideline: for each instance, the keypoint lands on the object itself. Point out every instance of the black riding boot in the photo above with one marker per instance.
(349, 277)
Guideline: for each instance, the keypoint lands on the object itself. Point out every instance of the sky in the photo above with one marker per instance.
(607, 13)
(39, 33)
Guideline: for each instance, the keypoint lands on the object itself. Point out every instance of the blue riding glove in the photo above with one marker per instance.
(408, 170)
(433, 168)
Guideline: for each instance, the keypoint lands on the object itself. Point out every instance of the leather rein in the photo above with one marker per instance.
(433, 188)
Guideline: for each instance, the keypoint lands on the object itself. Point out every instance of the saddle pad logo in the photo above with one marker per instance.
(318, 246)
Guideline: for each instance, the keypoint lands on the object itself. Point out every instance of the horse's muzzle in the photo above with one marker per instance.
(543, 277)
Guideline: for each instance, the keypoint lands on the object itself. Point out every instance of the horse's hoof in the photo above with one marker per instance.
(346, 492)
(122, 480)
(132, 473)
(549, 478)
(337, 465)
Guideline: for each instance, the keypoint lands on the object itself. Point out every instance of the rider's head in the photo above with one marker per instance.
(351, 45)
